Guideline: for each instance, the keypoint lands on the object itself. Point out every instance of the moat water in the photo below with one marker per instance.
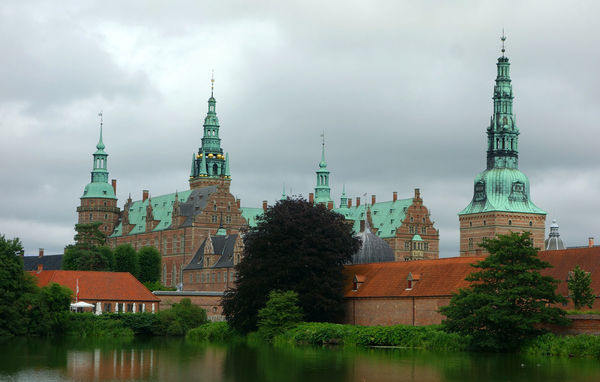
(178, 360)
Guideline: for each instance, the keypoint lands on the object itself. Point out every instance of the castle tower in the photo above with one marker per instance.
(501, 202)
(322, 190)
(210, 165)
(99, 202)
(554, 242)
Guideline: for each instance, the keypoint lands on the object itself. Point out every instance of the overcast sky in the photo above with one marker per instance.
(402, 90)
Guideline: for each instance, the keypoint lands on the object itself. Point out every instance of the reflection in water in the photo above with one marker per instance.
(175, 359)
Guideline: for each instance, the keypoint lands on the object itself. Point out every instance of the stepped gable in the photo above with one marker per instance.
(191, 203)
(221, 245)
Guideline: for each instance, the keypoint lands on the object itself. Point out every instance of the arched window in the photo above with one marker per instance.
(215, 169)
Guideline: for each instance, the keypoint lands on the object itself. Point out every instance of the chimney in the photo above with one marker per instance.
(395, 196)
(358, 201)
(373, 199)
(330, 205)
(349, 202)
(362, 225)
(114, 185)
(145, 195)
(311, 198)
(41, 252)
(238, 202)
(265, 205)
(40, 268)
(590, 242)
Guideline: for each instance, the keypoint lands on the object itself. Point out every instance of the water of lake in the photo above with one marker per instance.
(177, 360)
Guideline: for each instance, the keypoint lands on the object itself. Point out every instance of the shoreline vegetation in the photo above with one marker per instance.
(430, 338)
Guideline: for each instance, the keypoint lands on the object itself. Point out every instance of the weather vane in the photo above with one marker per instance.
(323, 136)
(212, 83)
(503, 38)
(100, 115)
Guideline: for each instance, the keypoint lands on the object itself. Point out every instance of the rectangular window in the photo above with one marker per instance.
(191, 278)
(140, 308)
(407, 245)
(411, 229)
(129, 308)
(423, 230)
(214, 218)
(228, 219)
(426, 246)
(107, 307)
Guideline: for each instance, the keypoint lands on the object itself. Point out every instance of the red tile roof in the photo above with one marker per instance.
(100, 286)
(564, 260)
(439, 277)
(442, 277)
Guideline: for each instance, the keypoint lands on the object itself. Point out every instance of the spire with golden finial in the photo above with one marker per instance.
(503, 38)
(212, 83)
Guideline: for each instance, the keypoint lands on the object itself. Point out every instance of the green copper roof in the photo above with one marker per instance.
(251, 215)
(386, 216)
(162, 207)
(417, 237)
(99, 187)
(502, 187)
(210, 160)
(322, 189)
(98, 190)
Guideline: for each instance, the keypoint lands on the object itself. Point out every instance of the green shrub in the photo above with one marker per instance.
(426, 337)
(179, 319)
(280, 313)
(212, 331)
(582, 345)
(156, 285)
(84, 325)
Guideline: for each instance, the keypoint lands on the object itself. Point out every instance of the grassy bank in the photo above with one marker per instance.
(431, 338)
(580, 346)
(316, 333)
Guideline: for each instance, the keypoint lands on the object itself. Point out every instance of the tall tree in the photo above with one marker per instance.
(580, 288)
(126, 259)
(508, 296)
(149, 260)
(89, 236)
(295, 246)
(16, 289)
(93, 259)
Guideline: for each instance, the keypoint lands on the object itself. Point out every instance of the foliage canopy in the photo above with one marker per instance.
(279, 314)
(580, 289)
(149, 264)
(295, 246)
(508, 296)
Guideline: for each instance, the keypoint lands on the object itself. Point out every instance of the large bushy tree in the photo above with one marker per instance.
(508, 296)
(580, 288)
(89, 236)
(149, 264)
(17, 289)
(295, 246)
(126, 259)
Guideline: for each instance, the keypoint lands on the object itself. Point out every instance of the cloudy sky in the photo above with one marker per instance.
(402, 90)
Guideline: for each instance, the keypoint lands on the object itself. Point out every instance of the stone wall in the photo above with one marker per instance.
(581, 324)
(209, 301)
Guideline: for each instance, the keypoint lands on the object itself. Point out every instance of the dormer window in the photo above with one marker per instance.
(357, 282)
(411, 280)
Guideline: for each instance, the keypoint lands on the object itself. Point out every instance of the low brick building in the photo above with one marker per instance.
(108, 291)
(408, 293)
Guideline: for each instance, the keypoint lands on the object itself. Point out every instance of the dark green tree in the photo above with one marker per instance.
(295, 246)
(279, 314)
(89, 236)
(126, 259)
(508, 296)
(49, 309)
(17, 289)
(580, 289)
(93, 259)
(149, 261)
